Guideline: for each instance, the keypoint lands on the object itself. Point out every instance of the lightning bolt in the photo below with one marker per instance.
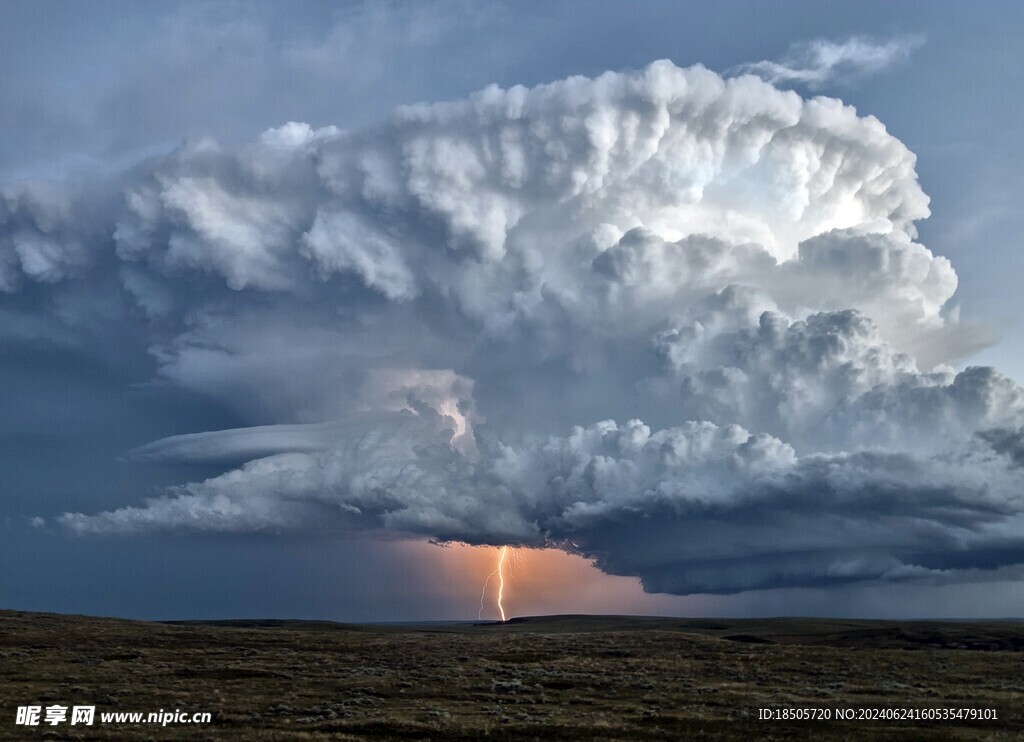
(501, 581)
(498, 570)
(483, 593)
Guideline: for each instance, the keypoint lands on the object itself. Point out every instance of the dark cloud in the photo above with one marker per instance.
(1007, 441)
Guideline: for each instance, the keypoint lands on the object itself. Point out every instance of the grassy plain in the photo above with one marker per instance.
(558, 677)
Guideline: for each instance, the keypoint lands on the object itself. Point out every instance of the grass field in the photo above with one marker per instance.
(557, 677)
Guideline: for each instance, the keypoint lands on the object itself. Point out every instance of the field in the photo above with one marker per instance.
(557, 677)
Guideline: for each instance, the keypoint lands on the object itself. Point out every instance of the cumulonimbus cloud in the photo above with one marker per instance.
(677, 323)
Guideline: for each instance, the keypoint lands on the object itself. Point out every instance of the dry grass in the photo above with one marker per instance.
(558, 677)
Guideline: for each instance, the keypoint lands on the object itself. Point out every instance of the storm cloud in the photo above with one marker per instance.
(677, 323)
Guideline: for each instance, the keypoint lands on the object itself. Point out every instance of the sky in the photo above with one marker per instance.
(708, 309)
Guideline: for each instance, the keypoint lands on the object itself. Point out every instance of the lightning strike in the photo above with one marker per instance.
(498, 570)
(501, 581)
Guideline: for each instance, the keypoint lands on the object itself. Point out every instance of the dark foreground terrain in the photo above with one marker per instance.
(539, 678)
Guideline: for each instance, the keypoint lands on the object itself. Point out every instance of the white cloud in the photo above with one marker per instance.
(820, 62)
(38, 239)
(427, 325)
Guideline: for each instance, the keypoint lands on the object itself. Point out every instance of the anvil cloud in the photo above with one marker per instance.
(677, 323)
